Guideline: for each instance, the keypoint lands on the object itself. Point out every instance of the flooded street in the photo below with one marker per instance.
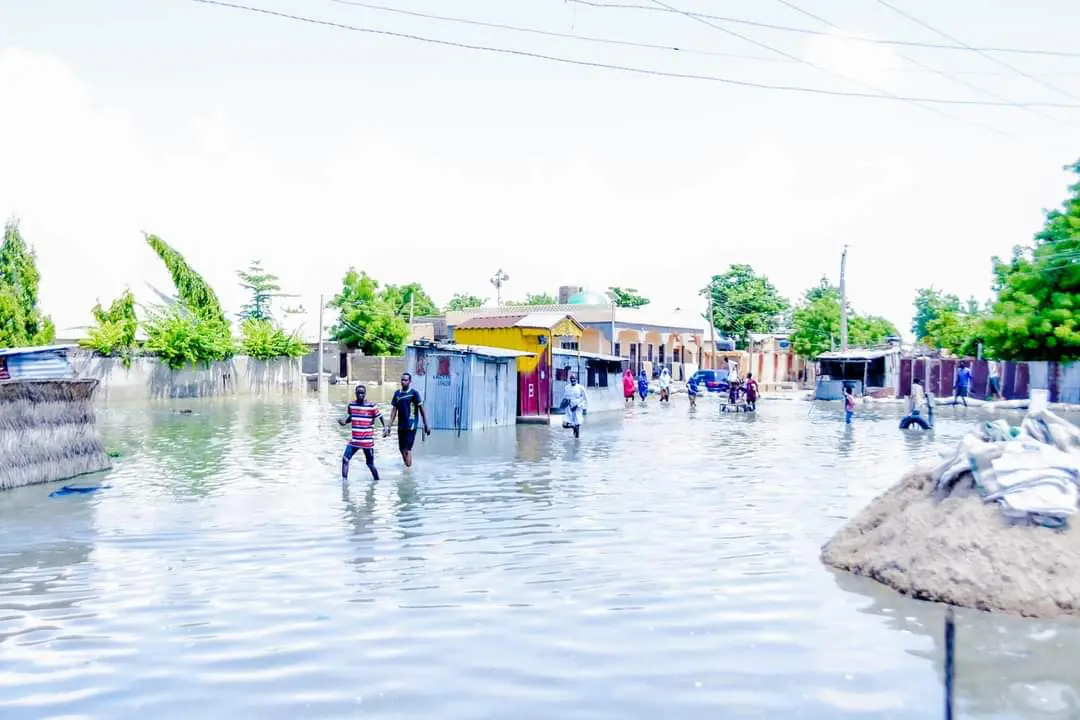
(665, 565)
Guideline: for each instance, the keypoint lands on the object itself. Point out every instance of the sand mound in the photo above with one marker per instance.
(959, 550)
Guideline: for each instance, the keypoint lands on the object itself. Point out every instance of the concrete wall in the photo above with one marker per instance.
(379, 370)
(150, 379)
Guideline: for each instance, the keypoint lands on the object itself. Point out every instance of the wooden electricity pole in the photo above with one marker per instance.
(843, 301)
(712, 331)
(319, 370)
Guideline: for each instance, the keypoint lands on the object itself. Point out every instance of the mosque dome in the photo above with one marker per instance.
(586, 297)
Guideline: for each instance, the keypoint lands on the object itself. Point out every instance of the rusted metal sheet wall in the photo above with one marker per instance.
(980, 378)
(1022, 385)
(905, 377)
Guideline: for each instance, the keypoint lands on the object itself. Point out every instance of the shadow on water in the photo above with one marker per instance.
(1004, 664)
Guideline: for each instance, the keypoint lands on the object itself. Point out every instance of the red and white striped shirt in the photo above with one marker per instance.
(363, 419)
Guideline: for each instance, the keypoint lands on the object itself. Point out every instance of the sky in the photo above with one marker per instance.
(236, 136)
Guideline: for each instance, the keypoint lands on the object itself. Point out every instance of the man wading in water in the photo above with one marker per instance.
(577, 404)
(362, 415)
(409, 405)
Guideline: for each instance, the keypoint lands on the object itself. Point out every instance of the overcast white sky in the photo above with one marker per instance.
(237, 136)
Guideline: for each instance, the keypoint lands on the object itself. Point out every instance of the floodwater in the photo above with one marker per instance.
(665, 565)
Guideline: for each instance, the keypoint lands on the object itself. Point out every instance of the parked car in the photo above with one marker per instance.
(712, 380)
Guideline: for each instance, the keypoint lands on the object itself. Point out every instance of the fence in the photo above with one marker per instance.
(1017, 379)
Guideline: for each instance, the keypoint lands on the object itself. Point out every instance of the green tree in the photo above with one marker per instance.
(744, 302)
(21, 322)
(627, 297)
(365, 320)
(410, 297)
(464, 301)
(957, 332)
(1036, 312)
(929, 304)
(194, 330)
(541, 298)
(113, 332)
(816, 323)
(263, 287)
(263, 340)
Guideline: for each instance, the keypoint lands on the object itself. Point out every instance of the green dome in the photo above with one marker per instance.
(588, 298)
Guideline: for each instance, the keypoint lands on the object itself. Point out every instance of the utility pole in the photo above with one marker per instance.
(412, 308)
(843, 301)
(319, 370)
(712, 331)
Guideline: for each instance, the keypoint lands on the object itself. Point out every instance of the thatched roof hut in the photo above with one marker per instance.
(47, 422)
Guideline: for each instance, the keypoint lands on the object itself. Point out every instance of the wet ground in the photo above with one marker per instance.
(665, 565)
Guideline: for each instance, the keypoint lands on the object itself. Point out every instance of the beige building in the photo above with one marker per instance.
(645, 337)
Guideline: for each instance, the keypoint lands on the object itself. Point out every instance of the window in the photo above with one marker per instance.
(569, 344)
(675, 355)
(618, 350)
(602, 373)
(591, 370)
(650, 352)
(562, 374)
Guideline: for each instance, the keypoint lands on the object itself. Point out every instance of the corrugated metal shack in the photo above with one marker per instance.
(49, 362)
(600, 374)
(465, 387)
(866, 371)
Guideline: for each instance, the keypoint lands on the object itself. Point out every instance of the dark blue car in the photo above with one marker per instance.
(712, 380)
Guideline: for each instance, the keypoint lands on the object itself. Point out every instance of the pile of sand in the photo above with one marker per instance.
(959, 550)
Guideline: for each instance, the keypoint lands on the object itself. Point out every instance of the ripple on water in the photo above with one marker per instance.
(665, 565)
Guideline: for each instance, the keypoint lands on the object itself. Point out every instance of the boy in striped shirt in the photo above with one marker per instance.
(362, 415)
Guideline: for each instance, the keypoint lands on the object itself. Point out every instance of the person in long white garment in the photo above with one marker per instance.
(577, 404)
(665, 385)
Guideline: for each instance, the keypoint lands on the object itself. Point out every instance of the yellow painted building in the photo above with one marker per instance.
(537, 333)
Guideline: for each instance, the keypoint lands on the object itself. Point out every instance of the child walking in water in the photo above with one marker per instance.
(849, 404)
(643, 385)
(665, 386)
(362, 415)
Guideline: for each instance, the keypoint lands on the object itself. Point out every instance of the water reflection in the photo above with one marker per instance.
(1005, 665)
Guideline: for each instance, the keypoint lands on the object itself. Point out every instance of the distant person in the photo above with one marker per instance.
(963, 385)
(921, 399)
(577, 405)
(410, 406)
(665, 386)
(643, 385)
(995, 382)
(751, 392)
(628, 385)
(362, 415)
(849, 404)
(692, 390)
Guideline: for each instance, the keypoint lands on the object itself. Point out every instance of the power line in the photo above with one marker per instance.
(784, 53)
(552, 33)
(908, 58)
(632, 69)
(979, 51)
(808, 31)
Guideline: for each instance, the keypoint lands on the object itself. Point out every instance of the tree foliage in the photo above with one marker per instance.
(181, 338)
(464, 301)
(263, 287)
(114, 329)
(744, 302)
(366, 321)
(1036, 314)
(410, 297)
(194, 292)
(627, 297)
(540, 298)
(193, 331)
(263, 340)
(21, 321)
(816, 323)
(931, 303)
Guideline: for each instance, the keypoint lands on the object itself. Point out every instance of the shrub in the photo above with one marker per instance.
(182, 338)
(113, 334)
(262, 340)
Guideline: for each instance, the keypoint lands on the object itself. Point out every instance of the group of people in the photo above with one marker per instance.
(407, 407)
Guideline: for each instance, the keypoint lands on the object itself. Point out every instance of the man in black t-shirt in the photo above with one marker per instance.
(408, 405)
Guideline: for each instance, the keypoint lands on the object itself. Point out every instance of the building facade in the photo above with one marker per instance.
(536, 333)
